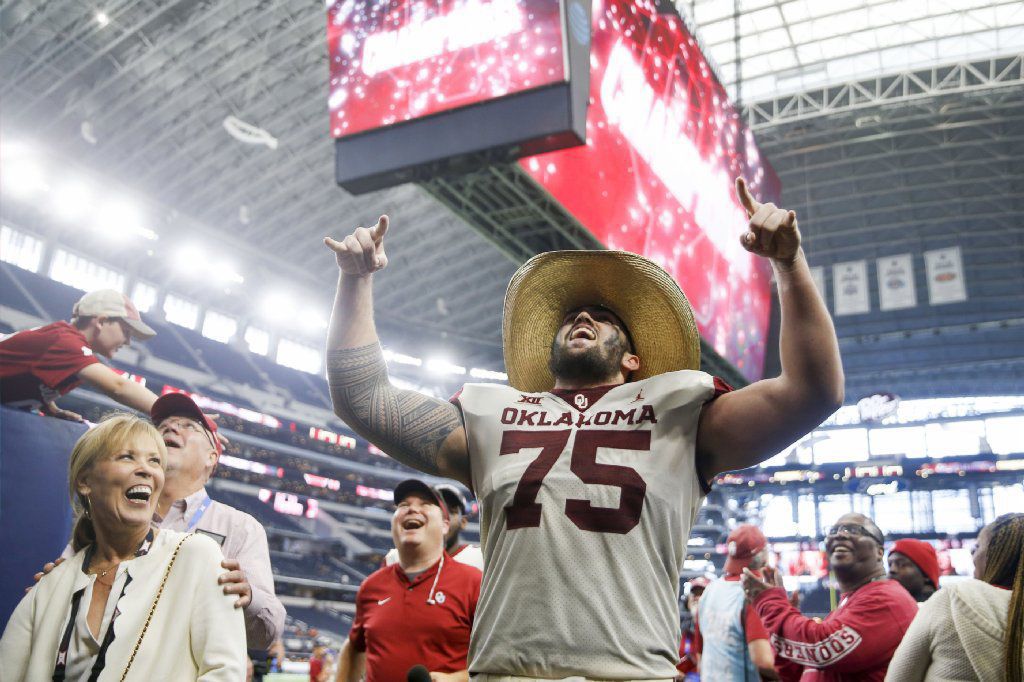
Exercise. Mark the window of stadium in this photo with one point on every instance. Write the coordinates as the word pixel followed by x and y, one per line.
pixel 841 445
pixel 298 356
pixel 219 327
pixel 908 441
pixel 181 312
pixel 1007 499
pixel 144 296
pixel 951 510
pixel 948 439
pixel 893 512
pixel 1003 435
pixel 18 248
pixel 257 340
pixel 84 274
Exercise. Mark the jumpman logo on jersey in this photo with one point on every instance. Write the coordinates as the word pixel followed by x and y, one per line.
pixel 639 397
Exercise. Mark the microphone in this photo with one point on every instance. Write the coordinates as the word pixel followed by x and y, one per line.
pixel 418 673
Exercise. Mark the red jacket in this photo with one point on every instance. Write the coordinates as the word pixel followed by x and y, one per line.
pixel 854 643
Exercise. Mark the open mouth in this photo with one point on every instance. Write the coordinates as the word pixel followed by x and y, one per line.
pixel 582 333
pixel 171 440
pixel 412 524
pixel 139 494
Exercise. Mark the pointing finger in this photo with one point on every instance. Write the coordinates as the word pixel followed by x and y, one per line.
pixel 746 198
pixel 380 229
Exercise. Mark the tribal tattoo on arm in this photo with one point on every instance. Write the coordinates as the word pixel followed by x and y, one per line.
pixel 409 426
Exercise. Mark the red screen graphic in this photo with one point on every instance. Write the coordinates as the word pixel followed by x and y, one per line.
pixel 656 175
pixel 398 60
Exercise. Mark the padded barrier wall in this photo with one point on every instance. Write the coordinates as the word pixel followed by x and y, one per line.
pixel 35 516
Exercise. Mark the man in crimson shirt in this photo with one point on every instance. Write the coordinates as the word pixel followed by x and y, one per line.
pixel 418 611
pixel 39 365
pixel 858 639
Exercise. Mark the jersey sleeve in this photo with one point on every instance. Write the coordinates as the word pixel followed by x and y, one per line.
pixel 64 358
pixel 853 638
pixel 721 388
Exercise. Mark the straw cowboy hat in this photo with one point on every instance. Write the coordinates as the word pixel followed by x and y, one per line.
pixel 645 297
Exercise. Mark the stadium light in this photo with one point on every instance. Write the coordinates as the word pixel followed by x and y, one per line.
pixel 276 306
pixel 72 199
pixel 119 216
pixel 312 320
pixel 392 356
pixel 226 272
pixel 23 176
pixel 443 366
pixel 478 373
pixel 102 19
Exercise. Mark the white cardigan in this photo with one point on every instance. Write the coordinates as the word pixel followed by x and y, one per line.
pixel 957 636
pixel 195 634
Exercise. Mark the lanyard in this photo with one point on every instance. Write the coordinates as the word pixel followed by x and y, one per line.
pixel 76 600
pixel 198 513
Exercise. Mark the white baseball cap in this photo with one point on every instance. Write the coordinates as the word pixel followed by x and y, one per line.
pixel 113 303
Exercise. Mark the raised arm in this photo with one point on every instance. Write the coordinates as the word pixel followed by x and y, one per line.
pixel 417 430
pixel 742 428
pixel 124 391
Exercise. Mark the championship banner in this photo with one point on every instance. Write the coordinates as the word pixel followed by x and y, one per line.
pixel 896 288
pixel 945 276
pixel 850 285
pixel 818 277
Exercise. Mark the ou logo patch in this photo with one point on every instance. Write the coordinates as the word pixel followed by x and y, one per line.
pixel 581 401
pixel 440 597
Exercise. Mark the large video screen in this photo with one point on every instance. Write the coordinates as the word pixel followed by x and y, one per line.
pixel 398 60
pixel 664 145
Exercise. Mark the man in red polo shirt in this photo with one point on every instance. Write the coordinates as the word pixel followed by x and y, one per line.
pixel 418 611
pixel 39 365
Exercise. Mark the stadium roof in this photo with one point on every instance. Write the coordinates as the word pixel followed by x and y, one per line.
pixel 785 46
pixel 135 94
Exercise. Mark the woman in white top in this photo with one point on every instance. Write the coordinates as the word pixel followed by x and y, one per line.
pixel 973 629
pixel 135 602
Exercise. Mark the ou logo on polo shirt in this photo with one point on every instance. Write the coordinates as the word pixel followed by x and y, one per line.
pixel 440 597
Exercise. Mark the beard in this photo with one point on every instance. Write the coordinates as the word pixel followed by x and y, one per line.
pixel 595 364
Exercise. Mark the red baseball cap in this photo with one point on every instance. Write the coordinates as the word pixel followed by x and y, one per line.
pixel 922 554
pixel 744 543
pixel 181 405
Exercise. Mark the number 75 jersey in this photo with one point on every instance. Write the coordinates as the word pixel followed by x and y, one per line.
pixel 587 499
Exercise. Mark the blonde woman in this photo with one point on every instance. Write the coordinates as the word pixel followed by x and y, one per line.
pixel 135 602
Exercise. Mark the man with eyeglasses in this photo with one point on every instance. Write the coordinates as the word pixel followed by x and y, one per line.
pixel 858 639
pixel 193 450
pixel 38 366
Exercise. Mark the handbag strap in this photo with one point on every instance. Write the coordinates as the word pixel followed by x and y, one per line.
pixel 152 608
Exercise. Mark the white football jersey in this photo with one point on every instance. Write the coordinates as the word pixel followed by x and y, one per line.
pixel 587 499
